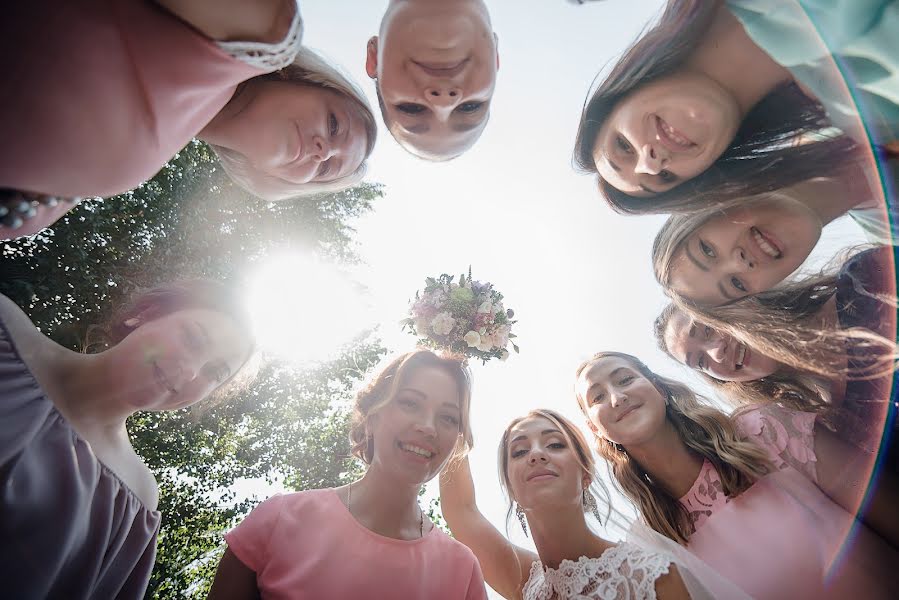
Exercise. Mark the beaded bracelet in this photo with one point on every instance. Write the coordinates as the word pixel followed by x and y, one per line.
pixel 17 206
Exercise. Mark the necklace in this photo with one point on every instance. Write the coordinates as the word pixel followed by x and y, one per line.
pixel 421 514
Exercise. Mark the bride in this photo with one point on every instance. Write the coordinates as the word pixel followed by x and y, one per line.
pixel 547 469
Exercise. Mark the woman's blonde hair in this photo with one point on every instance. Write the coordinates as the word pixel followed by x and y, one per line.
pixel 576 441
pixel 308 69
pixel 783 322
pixel 372 398
pixel 705 430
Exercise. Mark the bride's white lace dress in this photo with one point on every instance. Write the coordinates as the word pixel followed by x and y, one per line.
pixel 623 572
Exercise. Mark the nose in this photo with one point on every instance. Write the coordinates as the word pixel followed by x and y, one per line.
pixel 618 398
pixel 443 95
pixel 427 426
pixel 536 456
pixel 650 160
pixel 716 348
pixel 321 148
pixel 741 261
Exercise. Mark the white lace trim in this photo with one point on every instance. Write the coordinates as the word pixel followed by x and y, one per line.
pixel 269 57
pixel 623 572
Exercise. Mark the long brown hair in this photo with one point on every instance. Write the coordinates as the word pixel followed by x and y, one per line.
pixel 787 386
pixel 381 389
pixel 783 322
pixel 705 430
pixel 765 154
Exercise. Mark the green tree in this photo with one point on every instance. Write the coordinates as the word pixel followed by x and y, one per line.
pixel 191 221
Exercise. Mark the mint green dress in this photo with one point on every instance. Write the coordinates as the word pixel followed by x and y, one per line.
pixel 863 38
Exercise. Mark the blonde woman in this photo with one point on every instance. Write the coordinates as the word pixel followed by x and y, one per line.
pixel 368 539
pixel 141 79
pixel 766 497
pixel 547 471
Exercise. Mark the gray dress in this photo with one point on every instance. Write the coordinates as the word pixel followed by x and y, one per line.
pixel 69 527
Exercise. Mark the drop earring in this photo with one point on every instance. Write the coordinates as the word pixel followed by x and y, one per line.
pixel 522 519
pixel 590 505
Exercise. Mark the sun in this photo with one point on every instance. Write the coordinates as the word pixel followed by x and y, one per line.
pixel 304 310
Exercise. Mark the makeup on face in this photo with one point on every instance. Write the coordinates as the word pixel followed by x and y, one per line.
pixel 621 404
pixel 542 466
pixel 717 354
pixel 664 133
pixel 744 251
pixel 417 430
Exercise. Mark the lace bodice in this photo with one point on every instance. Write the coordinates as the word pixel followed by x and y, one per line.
pixel 269 57
pixel 623 572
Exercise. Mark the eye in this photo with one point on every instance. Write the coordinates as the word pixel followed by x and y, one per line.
pixel 626 380
pixel 707 250
pixel 324 169
pixel 623 145
pixel 333 125
pixel 451 420
pixel 701 364
pixel 470 107
pixel 597 399
pixel 517 453
pixel 707 332
pixel 557 446
pixel 410 109
pixel 667 176
pixel 734 281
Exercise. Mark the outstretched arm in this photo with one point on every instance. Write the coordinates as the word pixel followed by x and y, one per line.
pixel 236 20
pixel 506 567
pixel 233 580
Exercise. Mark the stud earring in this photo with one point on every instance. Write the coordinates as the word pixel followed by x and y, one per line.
pixel 590 505
pixel 522 519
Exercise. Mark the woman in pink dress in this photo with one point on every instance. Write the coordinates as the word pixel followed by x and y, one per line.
pixel 107 92
pixel 368 539
pixel 765 497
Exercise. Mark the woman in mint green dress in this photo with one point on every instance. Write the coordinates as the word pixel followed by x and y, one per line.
pixel 723 100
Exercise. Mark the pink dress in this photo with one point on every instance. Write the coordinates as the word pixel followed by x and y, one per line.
pixel 99 94
pixel 783 538
pixel 308 545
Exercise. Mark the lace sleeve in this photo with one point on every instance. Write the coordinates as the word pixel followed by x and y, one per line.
pixel 787 435
pixel 269 57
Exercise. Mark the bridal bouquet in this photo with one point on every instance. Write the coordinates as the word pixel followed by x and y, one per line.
pixel 467 317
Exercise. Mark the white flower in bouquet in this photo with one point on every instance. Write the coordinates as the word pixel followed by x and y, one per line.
pixel 503 355
pixel 485 307
pixel 486 344
pixel 472 338
pixel 443 323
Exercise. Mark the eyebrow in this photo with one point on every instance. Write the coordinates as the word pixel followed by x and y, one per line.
pixel 544 432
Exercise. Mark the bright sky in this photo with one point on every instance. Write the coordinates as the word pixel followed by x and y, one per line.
pixel 577 275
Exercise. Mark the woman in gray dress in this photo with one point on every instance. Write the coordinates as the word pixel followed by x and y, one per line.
pixel 78 514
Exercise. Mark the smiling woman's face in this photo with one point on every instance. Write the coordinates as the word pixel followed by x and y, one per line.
pixel 744 251
pixel 664 133
pixel 622 405
pixel 543 469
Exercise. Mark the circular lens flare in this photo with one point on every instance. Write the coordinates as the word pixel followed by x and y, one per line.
pixel 305 310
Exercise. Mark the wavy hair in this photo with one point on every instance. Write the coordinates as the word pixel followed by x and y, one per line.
pixel 783 322
pixel 576 441
pixel 381 389
pixel 788 386
pixel 766 152
pixel 705 430
pixel 310 69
